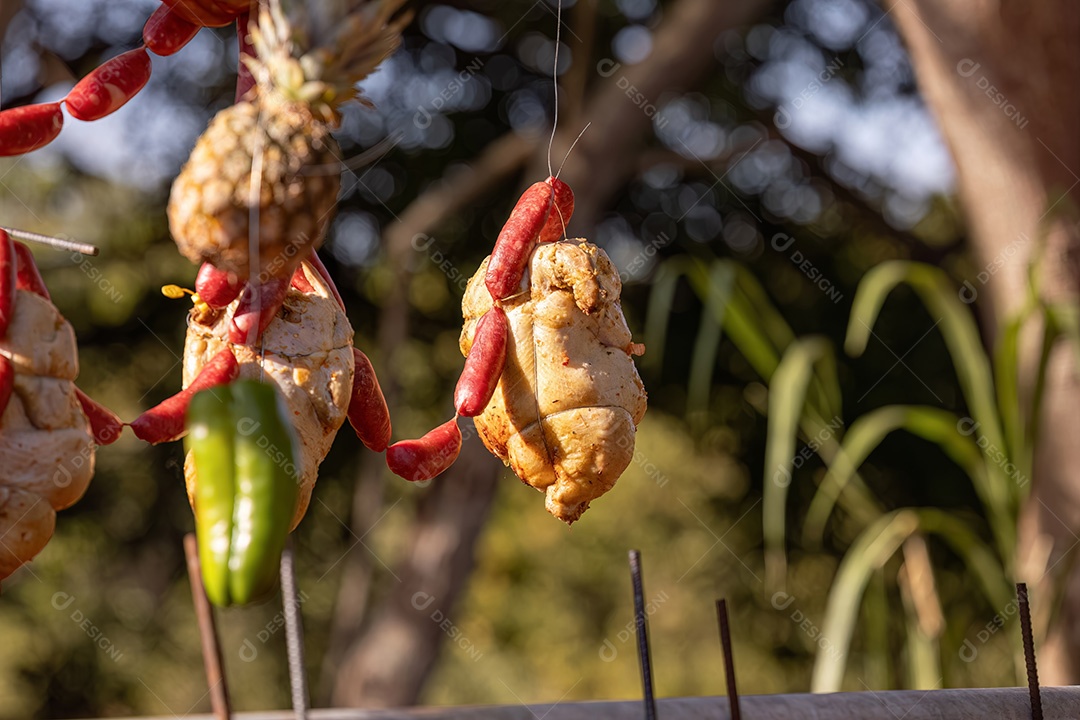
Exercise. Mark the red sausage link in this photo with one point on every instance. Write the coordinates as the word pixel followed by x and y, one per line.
pixel 29 127
pixel 368 413
pixel 244 79
pixel 201 12
pixel 107 88
pixel 7 382
pixel 561 211
pixel 258 305
pixel 517 240
pixel 484 365
pixel 166 32
pixel 300 281
pixel 217 288
pixel 423 459
pixel 165 421
pixel 8 264
pixel 27 276
pixel 103 421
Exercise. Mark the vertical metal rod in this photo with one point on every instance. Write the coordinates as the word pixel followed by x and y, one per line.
pixel 1029 651
pixel 211 649
pixel 729 659
pixel 294 633
pixel 644 655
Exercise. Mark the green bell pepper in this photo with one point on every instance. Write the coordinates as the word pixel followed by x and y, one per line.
pixel 246 488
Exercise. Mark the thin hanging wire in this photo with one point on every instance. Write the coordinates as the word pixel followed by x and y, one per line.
pixel 572 146
pixel 555 81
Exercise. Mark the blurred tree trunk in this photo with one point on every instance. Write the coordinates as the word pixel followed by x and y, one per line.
pixel 387 665
pixel 352 672
pixel 1001 79
pixel 684 47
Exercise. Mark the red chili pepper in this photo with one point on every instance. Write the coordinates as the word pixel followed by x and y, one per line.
pixel 515 243
pixel 316 262
pixel 29 127
pixel 561 211
pixel 368 413
pixel 104 423
pixel 166 31
pixel 258 306
pixel 165 421
pixel 300 281
pixel 484 365
pixel 201 12
pixel 217 288
pixel 244 79
pixel 108 88
pixel 8 272
pixel 27 276
pixel 7 382
pixel 423 459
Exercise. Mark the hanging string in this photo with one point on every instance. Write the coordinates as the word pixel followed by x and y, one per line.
pixel 555 81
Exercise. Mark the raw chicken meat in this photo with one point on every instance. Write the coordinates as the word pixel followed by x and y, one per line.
pixel 46 444
pixel 567 406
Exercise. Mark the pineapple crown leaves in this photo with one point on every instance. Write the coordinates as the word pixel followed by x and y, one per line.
pixel 315 51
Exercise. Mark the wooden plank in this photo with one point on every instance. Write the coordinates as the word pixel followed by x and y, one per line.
pixel 996 703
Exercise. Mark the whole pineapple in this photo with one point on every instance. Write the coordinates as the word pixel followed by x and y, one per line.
pixel 309 56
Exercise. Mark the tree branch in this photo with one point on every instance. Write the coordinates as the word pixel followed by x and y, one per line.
pixel 682 51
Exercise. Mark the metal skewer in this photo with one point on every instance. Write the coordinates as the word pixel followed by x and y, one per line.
pixel 729 659
pixel 1029 651
pixel 53 242
pixel 644 654
pixel 294 633
pixel 211 649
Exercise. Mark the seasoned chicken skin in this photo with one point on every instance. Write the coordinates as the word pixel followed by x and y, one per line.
pixel 46 445
pixel 307 352
pixel 567 406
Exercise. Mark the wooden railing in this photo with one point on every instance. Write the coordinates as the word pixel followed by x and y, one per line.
pixel 990 704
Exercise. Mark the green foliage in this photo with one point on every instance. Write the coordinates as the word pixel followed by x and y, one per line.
pixel 994 446
pixel 550 612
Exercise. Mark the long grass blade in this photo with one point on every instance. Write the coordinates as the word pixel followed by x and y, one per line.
pixel 1007 380
pixel 978 557
pixel 877 660
pixel 1055 322
pixel 787 398
pixel 706 345
pixel 772 323
pixel 870 551
pixel 935 425
pixel 922 649
pixel 658 313
pixel 957 327
pixel 965 348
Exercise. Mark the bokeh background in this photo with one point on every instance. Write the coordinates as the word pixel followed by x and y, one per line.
pixel 782 142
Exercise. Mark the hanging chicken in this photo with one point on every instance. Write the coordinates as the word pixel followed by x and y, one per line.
pixel 549 376
pixel 49 430
pixel 251 204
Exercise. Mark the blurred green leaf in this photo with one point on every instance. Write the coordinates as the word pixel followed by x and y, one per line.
pixel 957 327
pixel 787 397
pixel 703 361
pixel 969 360
pixel 870 551
pixel 935 425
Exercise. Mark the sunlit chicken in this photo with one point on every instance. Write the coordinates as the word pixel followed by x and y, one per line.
pixel 566 409
pixel 46 443
pixel 307 352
